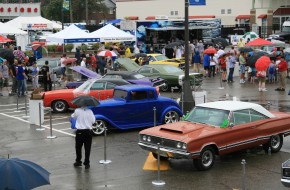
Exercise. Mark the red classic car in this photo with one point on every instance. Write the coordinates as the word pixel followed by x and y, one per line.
pixel 217 128
pixel 60 100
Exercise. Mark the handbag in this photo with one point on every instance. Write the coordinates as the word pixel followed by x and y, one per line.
pixel 261 74
pixel 73 122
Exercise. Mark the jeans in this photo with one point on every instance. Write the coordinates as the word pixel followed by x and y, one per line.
pixel 20 87
pixel 231 72
pixel 14 85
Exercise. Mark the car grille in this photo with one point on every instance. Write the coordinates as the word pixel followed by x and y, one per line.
pixel 163 142
pixel 158 83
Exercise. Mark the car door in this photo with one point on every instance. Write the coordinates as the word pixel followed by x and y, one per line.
pixel 146 71
pixel 242 134
pixel 99 91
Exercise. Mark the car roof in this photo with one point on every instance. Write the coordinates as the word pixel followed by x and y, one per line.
pixel 236 105
pixel 122 73
pixel 131 87
pixel 154 54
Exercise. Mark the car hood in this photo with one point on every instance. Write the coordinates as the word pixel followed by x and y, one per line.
pixel 146 81
pixel 181 131
pixel 54 92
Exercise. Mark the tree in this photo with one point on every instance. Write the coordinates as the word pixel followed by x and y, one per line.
pixel 53 9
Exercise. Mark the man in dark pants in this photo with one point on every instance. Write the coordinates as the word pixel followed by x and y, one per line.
pixel 12 72
pixel 46 77
pixel 84 121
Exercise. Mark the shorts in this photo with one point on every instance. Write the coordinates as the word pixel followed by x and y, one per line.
pixel 63 71
pixel 253 74
pixel 206 68
pixel 4 82
pixel 243 69
pixel 224 69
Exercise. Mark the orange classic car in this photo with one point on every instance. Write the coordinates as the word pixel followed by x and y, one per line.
pixel 217 128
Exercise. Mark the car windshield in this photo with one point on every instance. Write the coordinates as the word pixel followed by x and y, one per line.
pixel 120 94
pixel 138 76
pixel 209 116
pixel 161 57
pixel 171 69
pixel 84 89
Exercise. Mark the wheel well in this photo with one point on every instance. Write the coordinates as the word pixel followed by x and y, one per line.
pixel 214 147
pixel 59 100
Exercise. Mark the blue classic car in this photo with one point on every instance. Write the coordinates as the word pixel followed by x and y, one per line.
pixel 132 106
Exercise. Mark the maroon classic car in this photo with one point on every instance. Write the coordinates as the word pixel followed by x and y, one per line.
pixel 217 128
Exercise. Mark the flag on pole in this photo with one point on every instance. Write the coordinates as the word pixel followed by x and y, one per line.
pixel 65 5
pixel 197 2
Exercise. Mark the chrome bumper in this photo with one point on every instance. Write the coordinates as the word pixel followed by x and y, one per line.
pixel 285 182
pixel 165 152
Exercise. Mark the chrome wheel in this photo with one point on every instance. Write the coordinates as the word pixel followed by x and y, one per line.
pixel 165 87
pixel 276 142
pixel 207 158
pixel 171 117
pixel 59 106
pixel 99 127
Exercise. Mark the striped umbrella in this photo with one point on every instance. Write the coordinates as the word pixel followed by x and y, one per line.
pixel 250 35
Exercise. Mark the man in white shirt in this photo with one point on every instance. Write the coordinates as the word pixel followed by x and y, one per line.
pixel 84 121
pixel 62 65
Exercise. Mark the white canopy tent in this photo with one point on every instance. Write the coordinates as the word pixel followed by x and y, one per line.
pixel 110 33
pixel 21 36
pixel 34 23
pixel 71 34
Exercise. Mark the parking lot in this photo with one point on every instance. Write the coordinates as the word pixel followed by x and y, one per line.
pixel 132 167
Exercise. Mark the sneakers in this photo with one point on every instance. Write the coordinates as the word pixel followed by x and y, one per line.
pixel 264 89
pixel 87 166
pixel 260 89
pixel 242 81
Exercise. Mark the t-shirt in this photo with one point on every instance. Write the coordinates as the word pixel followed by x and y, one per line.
pixel 19 72
pixel 84 118
pixel 206 60
pixel 5 71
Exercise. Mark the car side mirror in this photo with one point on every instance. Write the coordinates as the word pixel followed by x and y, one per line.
pixel 231 125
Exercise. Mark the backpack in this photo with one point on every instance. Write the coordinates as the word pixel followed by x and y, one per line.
pixel 271 70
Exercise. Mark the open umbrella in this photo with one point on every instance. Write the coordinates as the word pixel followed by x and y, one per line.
pixel 84 101
pixel 253 59
pixel 4 39
pixel 250 35
pixel 263 63
pixel 287 50
pixel 69 60
pixel 107 53
pixel 210 51
pixel 259 42
pixel 8 55
pixel 40 49
pixel 21 174
pixel 220 42
pixel 245 49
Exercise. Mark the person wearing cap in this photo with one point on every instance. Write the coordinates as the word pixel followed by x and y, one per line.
pixel 4 76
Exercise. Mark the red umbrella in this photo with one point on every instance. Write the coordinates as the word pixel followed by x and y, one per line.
pixel 107 53
pixel 4 39
pixel 263 63
pixel 69 60
pixel 259 42
pixel 210 51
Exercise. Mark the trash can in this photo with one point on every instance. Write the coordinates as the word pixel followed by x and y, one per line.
pixel 34 113
pixel 199 97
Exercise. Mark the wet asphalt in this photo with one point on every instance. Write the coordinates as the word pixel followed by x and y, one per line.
pixel 21 139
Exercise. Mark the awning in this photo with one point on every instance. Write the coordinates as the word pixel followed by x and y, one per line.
pixel 240 17
pixel 262 16
pixel 150 18
pixel 201 16
pixel 132 17
pixel 282 11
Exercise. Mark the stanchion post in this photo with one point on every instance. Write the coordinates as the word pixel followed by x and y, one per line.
pixel 25 104
pixel 105 161
pixel 158 182
pixel 17 104
pixel 40 128
pixel 182 106
pixel 244 173
pixel 221 82
pixel 50 124
pixel 154 110
pixel 172 89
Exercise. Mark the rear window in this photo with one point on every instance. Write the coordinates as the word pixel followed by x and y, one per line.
pixel 120 94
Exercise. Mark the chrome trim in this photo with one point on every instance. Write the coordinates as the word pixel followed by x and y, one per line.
pixel 285 182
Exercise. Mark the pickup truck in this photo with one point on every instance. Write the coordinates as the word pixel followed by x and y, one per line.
pixel 135 106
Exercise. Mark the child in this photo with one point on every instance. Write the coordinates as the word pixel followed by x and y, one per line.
pixel 271 72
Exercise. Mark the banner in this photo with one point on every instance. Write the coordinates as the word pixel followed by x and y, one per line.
pixel 65 5
pixel 197 2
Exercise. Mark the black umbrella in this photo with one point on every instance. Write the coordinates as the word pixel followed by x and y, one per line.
pixel 140 55
pixel 21 174
pixel 84 101
pixel 245 49
pixel 8 55
pixel 252 59
pixel 220 42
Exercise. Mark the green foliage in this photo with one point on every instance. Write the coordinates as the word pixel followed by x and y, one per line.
pixel 29 53
pixel 51 48
pixel 96 46
pixel 59 48
pixel 69 47
pixel 83 47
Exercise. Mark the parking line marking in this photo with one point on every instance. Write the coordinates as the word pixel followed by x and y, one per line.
pixel 44 126
pixel 57 118
pixel 151 163
pixel 60 123
pixel 19 108
pixel 11 105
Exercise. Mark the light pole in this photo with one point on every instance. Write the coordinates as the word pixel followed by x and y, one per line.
pixel 187 98
pixel 87 14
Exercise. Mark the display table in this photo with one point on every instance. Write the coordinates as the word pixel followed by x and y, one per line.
pixel 34 113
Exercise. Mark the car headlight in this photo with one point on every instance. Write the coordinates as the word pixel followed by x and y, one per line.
pixel 148 139
pixel 179 145
pixel 286 172
pixel 144 138
pixel 184 146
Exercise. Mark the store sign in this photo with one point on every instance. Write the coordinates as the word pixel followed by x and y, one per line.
pixel 47 26
pixel 197 2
